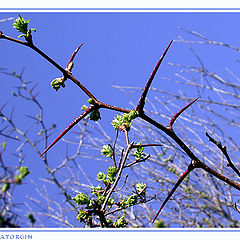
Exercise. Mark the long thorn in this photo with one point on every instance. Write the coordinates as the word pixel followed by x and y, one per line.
pixel 79 118
pixel 185 174
pixel 74 54
pixel 180 112
pixel 145 91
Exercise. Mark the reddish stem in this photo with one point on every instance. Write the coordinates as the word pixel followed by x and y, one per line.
pixel 141 102
pixel 185 174
pixel 179 113
pixel 79 118
pixel 74 54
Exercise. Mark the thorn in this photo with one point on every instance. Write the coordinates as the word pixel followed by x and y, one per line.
pixel 144 93
pixel 74 54
pixel 70 126
pixel 3 106
pixel 177 184
pixel 179 113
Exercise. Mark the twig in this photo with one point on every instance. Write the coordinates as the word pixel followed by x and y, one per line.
pixel 137 161
pixel 119 173
pixel 224 151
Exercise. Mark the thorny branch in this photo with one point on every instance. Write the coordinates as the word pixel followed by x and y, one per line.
pixel 195 161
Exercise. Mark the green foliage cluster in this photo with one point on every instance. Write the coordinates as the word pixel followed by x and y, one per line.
pixel 133 199
pixel 138 152
pixel 107 151
pixel 23 172
pixel 22 26
pixel 92 203
pixel 108 178
pixel 57 83
pixel 159 224
pixel 124 120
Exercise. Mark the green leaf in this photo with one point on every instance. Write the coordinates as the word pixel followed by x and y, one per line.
pixel 81 199
pixel 14 94
pixel 159 224
pixel 22 26
pixel 101 198
pixel 82 215
pixel 132 200
pixel 121 222
pixel 18 179
pixel 84 107
pixel 133 114
pixel 123 203
pixel 111 173
pixel 138 152
pixel 107 150
pixel 97 190
pixel 91 101
pixel 57 83
pixel 141 189
pixel 23 172
pixel 124 120
pixel 110 202
pixel 4 145
pixel 101 177
pixel 5 187
pixel 40 132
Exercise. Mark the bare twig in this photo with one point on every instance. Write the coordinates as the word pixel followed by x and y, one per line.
pixel 225 153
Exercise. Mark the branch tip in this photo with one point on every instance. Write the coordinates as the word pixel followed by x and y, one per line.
pixel 223 149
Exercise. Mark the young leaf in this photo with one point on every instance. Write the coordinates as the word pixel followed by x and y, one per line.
pixel 138 153
pixel 81 199
pixel 124 120
pixel 57 83
pixel 107 151
pixel 22 26
pixel 23 172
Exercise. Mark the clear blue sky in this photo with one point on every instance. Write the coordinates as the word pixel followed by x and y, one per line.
pixel 119 49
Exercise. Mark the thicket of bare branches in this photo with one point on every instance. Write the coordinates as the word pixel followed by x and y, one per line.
pixel 201 200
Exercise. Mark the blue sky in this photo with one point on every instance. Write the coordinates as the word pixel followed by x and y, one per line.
pixel 119 49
